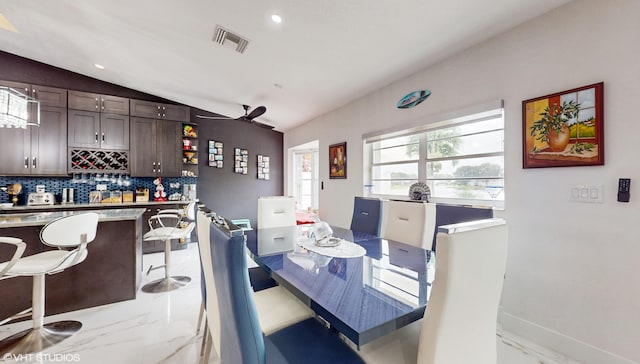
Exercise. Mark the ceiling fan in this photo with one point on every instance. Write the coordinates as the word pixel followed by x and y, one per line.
pixel 247 117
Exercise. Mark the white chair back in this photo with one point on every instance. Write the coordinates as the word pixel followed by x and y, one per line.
pixel 68 231
pixel 276 211
pixel 213 314
pixel 409 222
pixel 459 325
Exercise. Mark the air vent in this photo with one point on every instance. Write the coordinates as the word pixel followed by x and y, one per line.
pixel 228 39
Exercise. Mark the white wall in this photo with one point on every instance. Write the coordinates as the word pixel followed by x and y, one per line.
pixel 572 282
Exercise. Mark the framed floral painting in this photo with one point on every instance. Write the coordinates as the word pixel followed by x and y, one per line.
pixel 338 160
pixel 564 129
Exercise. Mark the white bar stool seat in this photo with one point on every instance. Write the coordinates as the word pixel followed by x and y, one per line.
pixel 71 232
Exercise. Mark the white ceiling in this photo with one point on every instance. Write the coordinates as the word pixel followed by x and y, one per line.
pixel 323 55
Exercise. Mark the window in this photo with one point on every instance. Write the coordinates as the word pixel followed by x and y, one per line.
pixel 460 158
pixel 306 179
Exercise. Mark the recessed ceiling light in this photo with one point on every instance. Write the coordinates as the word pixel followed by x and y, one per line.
pixel 99 66
pixel 276 18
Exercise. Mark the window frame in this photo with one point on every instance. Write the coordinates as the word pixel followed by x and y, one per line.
pixel 468 116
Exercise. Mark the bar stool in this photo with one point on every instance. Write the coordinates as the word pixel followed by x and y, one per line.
pixel 161 230
pixel 71 232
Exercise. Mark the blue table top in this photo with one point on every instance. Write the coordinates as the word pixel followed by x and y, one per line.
pixel 364 298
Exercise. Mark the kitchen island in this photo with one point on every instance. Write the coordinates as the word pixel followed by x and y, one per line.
pixel 111 273
pixel 151 208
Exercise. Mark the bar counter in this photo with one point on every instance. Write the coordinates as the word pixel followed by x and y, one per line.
pixel 112 271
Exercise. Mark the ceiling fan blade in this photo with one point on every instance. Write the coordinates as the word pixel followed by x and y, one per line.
pixel 213 117
pixel 256 112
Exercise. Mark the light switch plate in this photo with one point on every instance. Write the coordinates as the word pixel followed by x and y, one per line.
pixel 586 193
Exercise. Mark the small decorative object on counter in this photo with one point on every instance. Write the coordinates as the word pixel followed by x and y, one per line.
pixel 419 191
pixel 142 194
pixel 160 194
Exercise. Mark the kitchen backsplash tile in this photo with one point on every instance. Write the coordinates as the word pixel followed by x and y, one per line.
pixel 81 190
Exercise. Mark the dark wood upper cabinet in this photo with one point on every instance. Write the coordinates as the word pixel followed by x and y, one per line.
pixel 99 103
pixel 155 110
pixel 155 150
pixel 37 150
pixel 95 130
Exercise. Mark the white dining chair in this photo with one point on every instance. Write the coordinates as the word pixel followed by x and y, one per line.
pixel 409 222
pixel 276 211
pixel 459 325
pixel 70 235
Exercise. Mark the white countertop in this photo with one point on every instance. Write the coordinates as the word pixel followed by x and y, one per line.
pixel 42 218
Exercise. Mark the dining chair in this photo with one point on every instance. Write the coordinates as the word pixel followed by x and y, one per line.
pixel 276 307
pixel 409 222
pixel 367 215
pixel 459 324
pixel 70 236
pixel 276 211
pixel 239 337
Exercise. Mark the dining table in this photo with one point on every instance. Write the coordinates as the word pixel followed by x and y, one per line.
pixel 363 286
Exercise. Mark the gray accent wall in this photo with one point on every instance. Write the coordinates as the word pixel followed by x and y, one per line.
pixel 235 196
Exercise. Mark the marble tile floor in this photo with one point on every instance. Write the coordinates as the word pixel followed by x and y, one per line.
pixel 161 328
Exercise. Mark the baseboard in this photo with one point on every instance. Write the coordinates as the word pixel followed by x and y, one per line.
pixel 563 344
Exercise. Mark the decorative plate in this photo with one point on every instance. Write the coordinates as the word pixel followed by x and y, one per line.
pixel 413 98
pixel 419 191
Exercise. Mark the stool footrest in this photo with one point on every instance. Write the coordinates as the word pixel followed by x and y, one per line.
pixel 19 315
pixel 156 267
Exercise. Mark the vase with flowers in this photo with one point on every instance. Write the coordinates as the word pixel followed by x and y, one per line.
pixel 553 125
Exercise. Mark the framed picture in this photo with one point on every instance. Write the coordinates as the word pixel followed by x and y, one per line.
pixel 241 161
pixel 215 154
pixel 564 129
pixel 263 167
pixel 338 160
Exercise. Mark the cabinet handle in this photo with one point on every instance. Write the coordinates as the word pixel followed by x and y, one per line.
pixel 34 93
pixel 159 168
pixel 96 103
pixel 162 114
pixel 154 167
pixel 26 162
pixel 102 104
pixel 33 162
pixel 103 137
pixel 96 137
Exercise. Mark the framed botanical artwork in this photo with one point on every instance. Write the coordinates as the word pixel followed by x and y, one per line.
pixel 338 160
pixel 564 129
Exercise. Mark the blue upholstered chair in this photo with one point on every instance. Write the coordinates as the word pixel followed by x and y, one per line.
pixel 235 326
pixel 367 215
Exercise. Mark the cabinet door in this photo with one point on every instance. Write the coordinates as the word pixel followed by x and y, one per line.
pixel 14 151
pixel 84 101
pixel 114 105
pixel 169 148
pixel 114 131
pixel 49 96
pixel 49 143
pixel 175 112
pixel 84 129
pixel 145 109
pixel 142 157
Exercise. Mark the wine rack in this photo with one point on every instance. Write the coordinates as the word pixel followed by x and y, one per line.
pixel 88 161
